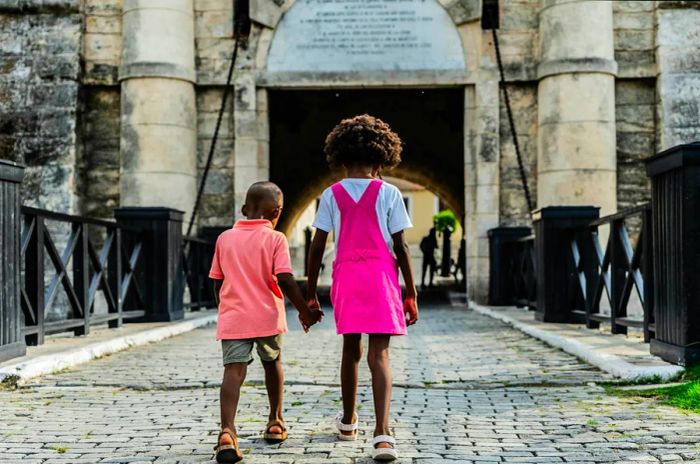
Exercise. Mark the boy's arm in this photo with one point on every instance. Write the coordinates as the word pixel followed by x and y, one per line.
pixel 403 256
pixel 316 250
pixel 217 288
pixel 291 290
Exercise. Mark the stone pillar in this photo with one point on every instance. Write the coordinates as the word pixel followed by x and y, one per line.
pixel 576 105
pixel 251 147
pixel 482 180
pixel 158 115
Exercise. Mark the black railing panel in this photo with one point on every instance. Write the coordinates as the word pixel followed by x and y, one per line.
pixel 197 255
pixel 615 273
pixel 91 265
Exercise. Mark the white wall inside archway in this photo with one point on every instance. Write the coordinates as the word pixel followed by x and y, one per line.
pixel 350 36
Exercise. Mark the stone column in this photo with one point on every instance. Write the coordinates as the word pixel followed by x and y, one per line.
pixel 158 115
pixel 481 179
pixel 251 147
pixel 576 105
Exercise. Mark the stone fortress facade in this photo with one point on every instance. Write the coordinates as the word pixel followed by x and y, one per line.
pixel 114 102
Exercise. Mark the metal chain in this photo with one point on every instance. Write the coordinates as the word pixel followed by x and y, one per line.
pixel 502 84
pixel 203 181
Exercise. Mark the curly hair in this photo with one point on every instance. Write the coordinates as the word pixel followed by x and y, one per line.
pixel 365 141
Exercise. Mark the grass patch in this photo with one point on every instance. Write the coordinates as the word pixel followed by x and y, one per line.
pixel 10 382
pixel 685 396
pixel 297 403
pixel 60 449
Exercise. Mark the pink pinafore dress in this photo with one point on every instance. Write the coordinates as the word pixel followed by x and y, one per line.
pixel 365 293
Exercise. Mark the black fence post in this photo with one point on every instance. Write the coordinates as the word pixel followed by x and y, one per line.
pixel 555 228
pixel 162 280
pixel 11 342
pixel 503 243
pixel 675 189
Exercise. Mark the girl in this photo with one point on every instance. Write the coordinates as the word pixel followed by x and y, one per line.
pixel 368 217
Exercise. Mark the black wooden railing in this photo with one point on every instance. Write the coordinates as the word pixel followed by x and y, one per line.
pixel 95 256
pixel 197 254
pixel 615 270
pixel 524 277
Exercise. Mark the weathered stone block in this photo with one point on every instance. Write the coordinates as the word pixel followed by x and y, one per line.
pixel 632 20
pixel 103 24
pixel 103 47
pixel 213 24
pixel 626 39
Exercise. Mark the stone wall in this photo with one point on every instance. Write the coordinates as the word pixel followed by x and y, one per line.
pixel 217 199
pixel 518 39
pixel 634 41
pixel 513 206
pixel 39 98
pixel 636 138
pixel 100 136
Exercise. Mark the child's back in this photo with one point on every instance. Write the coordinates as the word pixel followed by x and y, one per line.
pixel 249 256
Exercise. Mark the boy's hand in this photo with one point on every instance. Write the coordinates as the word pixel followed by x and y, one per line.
pixel 310 318
pixel 410 309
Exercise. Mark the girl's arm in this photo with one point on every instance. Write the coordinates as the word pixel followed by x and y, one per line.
pixel 403 256
pixel 316 250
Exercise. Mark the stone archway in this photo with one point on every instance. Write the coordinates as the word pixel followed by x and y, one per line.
pixel 429 121
pixel 277 65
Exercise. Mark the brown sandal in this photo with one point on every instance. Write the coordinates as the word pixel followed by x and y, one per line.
pixel 226 454
pixel 275 437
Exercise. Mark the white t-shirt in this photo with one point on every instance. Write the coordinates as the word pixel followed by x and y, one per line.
pixel 391 210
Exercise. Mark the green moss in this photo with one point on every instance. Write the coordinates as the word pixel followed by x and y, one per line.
pixel 60 449
pixel 685 396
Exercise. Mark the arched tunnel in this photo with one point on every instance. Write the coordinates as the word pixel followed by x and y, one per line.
pixel 429 121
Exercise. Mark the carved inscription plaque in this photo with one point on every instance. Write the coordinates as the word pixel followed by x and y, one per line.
pixel 365 35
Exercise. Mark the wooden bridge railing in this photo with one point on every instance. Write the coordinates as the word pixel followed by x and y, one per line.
pixel 594 270
pixel 67 273
pixel 62 252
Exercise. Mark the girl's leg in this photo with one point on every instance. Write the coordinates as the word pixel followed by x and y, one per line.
pixel 378 359
pixel 352 353
pixel 234 375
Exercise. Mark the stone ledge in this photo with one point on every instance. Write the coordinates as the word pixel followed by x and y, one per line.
pixel 59 360
pixel 576 65
pixel 40 6
pixel 595 355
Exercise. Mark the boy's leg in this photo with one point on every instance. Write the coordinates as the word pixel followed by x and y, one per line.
pixel 378 359
pixel 269 350
pixel 352 353
pixel 237 354
pixel 234 375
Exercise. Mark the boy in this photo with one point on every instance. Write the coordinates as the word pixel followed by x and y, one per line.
pixel 251 264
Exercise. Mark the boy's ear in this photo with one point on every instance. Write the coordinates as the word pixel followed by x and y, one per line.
pixel 276 212
pixel 243 210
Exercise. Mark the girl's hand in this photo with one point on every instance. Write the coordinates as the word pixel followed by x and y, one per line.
pixel 410 309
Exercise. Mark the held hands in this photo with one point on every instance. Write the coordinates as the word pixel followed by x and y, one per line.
pixel 410 309
pixel 313 316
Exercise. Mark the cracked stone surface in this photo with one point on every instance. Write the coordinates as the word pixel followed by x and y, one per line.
pixel 468 389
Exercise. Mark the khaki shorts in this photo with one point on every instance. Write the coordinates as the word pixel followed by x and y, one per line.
pixel 241 351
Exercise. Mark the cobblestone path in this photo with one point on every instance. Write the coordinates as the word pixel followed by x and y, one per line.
pixel 468 389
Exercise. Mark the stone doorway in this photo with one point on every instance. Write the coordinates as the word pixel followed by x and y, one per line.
pixel 430 121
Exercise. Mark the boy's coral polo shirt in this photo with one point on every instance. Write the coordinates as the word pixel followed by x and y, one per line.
pixel 247 258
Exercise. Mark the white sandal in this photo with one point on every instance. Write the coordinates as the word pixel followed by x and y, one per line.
pixel 384 454
pixel 346 427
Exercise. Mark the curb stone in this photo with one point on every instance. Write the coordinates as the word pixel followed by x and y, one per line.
pixel 610 363
pixel 41 365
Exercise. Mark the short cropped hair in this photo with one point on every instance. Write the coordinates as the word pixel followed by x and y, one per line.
pixel 365 141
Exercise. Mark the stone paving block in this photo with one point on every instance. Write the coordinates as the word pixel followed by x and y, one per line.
pixel 507 398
